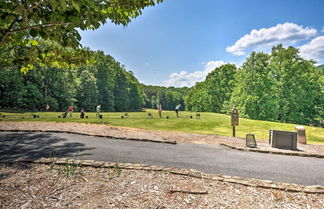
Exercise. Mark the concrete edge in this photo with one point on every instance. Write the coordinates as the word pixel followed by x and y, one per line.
pixel 272 152
pixel 96 135
pixel 267 184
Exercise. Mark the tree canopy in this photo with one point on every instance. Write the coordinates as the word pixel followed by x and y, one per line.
pixel 213 94
pixel 168 97
pixel 280 86
pixel 24 24
pixel 84 87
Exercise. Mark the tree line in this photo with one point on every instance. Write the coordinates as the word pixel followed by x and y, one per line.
pixel 168 97
pixel 104 82
pixel 280 86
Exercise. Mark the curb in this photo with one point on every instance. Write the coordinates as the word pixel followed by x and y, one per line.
pixel 96 135
pixel 246 149
pixel 266 184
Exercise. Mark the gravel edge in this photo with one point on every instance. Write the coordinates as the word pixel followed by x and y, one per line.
pixel 247 149
pixel 96 135
pixel 267 184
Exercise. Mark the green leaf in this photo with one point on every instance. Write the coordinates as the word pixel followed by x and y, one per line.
pixel 76 6
pixel 33 32
pixel 43 34
pixel 63 4
pixel 24 69
pixel 54 4
pixel 34 42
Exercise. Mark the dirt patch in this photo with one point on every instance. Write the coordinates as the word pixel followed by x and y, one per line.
pixel 38 186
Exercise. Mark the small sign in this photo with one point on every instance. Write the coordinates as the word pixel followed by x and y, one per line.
pixel 250 141
pixel 235 117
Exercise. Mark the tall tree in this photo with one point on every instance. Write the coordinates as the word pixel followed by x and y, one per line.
pixel 253 94
pixel 121 92
pixel 213 94
pixel 136 94
pixel 105 75
pixel 296 85
pixel 197 98
pixel 219 86
pixel 87 93
pixel 11 88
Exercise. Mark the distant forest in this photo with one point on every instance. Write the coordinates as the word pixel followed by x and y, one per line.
pixel 105 82
pixel 280 86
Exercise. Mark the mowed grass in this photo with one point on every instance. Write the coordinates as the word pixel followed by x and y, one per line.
pixel 209 123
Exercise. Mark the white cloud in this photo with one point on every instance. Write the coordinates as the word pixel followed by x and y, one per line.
pixel 322 30
pixel 185 78
pixel 286 33
pixel 314 49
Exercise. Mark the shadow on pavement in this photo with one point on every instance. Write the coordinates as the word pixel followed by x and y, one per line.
pixel 36 145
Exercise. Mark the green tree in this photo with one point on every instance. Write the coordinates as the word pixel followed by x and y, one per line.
pixel 219 86
pixel 320 103
pixel 11 88
pixel 121 92
pixel 105 75
pixel 281 86
pixel 168 96
pixel 87 93
pixel 26 22
pixel 213 94
pixel 197 98
pixel 136 94
pixel 296 85
pixel 253 94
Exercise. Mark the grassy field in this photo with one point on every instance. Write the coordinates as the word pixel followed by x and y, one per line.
pixel 209 123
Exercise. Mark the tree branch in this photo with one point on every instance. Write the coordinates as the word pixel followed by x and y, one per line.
pixel 39 25
pixel 35 6
pixel 2 38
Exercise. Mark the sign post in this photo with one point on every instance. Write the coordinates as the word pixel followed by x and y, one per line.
pixel 234 119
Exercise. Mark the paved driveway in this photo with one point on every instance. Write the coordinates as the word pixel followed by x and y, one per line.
pixel 206 158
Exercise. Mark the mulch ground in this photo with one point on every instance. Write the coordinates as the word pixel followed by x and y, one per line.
pixel 45 186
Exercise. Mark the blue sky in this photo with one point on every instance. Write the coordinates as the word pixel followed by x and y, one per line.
pixel 178 42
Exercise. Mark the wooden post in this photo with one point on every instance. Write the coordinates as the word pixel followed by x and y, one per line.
pixel 234 119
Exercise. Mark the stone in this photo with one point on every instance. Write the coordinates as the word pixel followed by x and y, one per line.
pixel 301 134
pixel 283 139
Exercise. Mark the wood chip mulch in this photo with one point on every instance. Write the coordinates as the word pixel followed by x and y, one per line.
pixel 27 185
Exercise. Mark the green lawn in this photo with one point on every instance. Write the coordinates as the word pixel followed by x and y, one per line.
pixel 209 123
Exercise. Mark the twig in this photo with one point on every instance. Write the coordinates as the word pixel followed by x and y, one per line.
pixel 188 191
pixel 84 178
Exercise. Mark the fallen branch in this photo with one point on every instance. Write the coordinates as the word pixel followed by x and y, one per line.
pixel 188 191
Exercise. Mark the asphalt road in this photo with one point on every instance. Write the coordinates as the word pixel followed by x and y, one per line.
pixel 206 158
